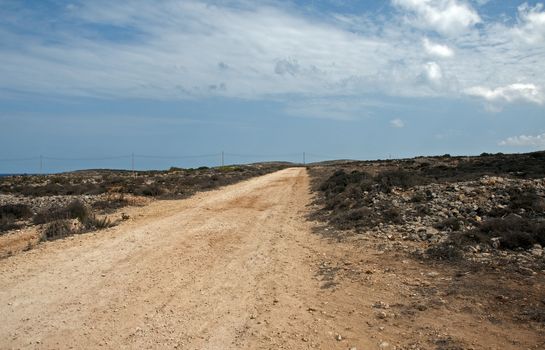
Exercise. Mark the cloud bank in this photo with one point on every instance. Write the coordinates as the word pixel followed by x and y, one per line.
pixel 524 141
pixel 178 50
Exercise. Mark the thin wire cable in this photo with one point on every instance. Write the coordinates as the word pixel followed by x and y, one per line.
pixel 263 155
pixel 176 157
pixel 86 158
pixel 18 159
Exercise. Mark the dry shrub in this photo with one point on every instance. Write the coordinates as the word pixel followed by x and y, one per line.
pixel 111 203
pixel 444 252
pixel 387 180
pixel 74 210
pixel 453 224
pixel 57 229
pixel 11 213
pixel 513 232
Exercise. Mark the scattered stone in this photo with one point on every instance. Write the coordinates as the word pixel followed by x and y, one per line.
pixel 381 305
pixel 382 315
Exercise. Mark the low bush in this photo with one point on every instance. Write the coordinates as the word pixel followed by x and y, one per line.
pixel 419 197
pixel 356 218
pixel 340 181
pixel 526 199
pixel 11 213
pixel 111 203
pixel 152 190
pixel 92 223
pixel 74 210
pixel 7 223
pixel 17 211
pixel 453 224
pixel 392 215
pixel 513 232
pixel 444 252
pixel 57 229
pixel 389 179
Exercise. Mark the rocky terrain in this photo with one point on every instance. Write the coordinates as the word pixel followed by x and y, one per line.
pixel 479 219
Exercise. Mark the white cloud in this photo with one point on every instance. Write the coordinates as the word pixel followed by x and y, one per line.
pixel 524 141
pixel 509 93
pixel 397 123
pixel 450 17
pixel 432 73
pixel 437 50
pixel 192 49
pixel 286 66
pixel 531 28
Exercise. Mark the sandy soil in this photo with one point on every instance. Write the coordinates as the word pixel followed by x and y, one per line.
pixel 238 267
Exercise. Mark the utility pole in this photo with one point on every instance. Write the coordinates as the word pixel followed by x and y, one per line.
pixel 132 165
pixel 222 158
pixel 41 164
pixel 304 160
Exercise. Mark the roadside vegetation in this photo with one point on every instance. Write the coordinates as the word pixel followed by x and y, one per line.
pixel 64 204
pixel 497 201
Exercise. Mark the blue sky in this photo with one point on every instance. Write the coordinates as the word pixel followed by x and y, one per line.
pixel 267 80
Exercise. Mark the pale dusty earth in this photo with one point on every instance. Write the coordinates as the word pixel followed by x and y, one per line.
pixel 235 268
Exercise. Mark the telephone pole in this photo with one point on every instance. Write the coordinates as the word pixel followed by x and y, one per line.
pixel 132 164
pixel 304 160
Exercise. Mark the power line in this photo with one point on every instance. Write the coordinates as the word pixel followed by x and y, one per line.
pixel 41 161
pixel 240 155
pixel 322 156
pixel 177 157
pixel 18 159
pixel 86 158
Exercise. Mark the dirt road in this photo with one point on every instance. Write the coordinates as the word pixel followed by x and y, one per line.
pixel 232 268
pixel 224 269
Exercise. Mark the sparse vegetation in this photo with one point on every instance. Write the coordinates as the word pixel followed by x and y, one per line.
pixel 512 232
pixel 110 203
pixel 57 229
pixel 453 224
pixel 77 202
pixel 10 214
pixel 506 212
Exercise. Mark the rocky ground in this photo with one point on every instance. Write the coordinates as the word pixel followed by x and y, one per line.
pixel 490 219
pixel 484 227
